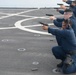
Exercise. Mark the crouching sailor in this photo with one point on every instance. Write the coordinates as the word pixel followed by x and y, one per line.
pixel 66 49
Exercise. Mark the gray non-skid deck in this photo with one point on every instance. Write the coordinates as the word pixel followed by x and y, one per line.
pixel 22 50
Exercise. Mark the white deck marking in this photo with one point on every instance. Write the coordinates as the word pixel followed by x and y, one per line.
pixel 10 15
pixel 4 13
pixel 36 25
pixel 18 25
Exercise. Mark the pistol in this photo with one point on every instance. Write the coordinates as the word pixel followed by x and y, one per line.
pixel 56 8
pixel 43 23
pixel 67 6
pixel 49 15
pixel 59 4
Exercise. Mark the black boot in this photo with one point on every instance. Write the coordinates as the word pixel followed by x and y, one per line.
pixel 60 65
pixel 68 61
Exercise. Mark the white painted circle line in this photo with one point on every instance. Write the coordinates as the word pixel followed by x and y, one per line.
pixel 18 25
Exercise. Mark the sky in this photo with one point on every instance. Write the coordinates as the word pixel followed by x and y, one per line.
pixel 30 3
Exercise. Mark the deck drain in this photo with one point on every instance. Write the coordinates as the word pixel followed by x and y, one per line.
pixel 35 63
pixel 57 70
pixel 8 40
pixel 5 40
pixel 21 49
pixel 35 68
